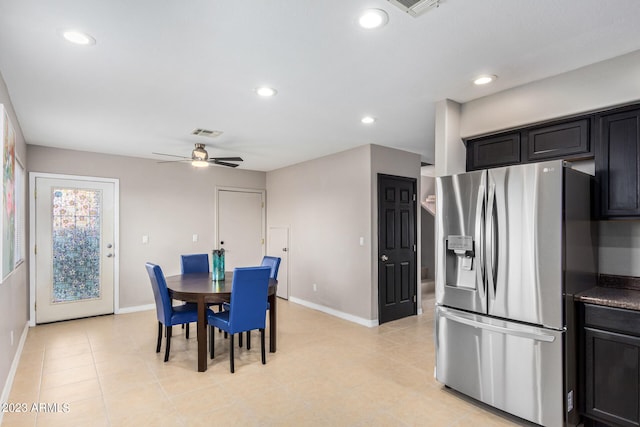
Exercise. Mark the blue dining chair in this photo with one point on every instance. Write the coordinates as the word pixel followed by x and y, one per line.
pixel 274 263
pixel 247 310
pixel 194 263
pixel 167 314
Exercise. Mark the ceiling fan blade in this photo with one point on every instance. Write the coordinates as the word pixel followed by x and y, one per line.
pixel 228 159
pixel 231 165
pixel 174 161
pixel 172 155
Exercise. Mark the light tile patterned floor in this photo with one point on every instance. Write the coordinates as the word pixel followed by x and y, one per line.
pixel 327 372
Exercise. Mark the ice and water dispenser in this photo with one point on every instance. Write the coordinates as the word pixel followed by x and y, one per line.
pixel 460 262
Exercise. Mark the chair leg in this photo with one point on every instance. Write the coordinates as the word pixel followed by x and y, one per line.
pixel 248 340
pixel 240 339
pixel 211 337
pixel 186 330
pixel 231 352
pixel 264 356
pixel 168 346
pixel 159 337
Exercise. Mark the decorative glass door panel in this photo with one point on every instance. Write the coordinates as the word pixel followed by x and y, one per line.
pixel 76 244
pixel 75 253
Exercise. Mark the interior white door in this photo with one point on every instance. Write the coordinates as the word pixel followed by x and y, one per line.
pixel 241 227
pixel 278 246
pixel 75 237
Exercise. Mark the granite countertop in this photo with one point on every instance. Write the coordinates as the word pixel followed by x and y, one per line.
pixel 613 291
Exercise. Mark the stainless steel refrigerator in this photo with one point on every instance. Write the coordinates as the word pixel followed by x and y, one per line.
pixel 513 245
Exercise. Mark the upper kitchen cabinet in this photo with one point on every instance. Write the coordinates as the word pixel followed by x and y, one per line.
pixel 493 151
pixel 560 139
pixel 618 163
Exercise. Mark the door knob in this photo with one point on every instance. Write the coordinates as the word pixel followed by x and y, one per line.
pixel 284 249
pixel 109 255
pixel 384 258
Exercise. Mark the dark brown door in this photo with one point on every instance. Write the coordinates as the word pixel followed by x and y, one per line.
pixel 396 247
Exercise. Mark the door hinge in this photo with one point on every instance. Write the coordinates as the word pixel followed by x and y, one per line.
pixel 414 198
pixel 35 249
pixel 262 204
pixel 415 248
pixel 414 299
pixel 262 241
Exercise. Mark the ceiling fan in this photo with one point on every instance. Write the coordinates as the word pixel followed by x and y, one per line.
pixel 200 158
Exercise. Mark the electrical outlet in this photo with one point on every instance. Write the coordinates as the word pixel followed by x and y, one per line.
pixel 195 238
pixel 145 239
pixel 315 287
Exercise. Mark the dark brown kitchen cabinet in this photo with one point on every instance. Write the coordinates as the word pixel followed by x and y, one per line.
pixel 618 164
pixel 611 366
pixel 560 141
pixel 493 151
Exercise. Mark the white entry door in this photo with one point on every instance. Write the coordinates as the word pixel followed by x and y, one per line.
pixel 74 248
pixel 278 246
pixel 240 230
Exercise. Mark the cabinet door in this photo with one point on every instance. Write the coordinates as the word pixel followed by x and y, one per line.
pixel 560 141
pixel 493 151
pixel 618 165
pixel 612 369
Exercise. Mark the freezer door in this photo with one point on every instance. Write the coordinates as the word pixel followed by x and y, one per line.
pixel 459 241
pixel 524 243
pixel 513 367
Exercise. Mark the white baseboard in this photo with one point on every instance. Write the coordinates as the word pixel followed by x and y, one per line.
pixel 346 316
pixel 6 390
pixel 135 309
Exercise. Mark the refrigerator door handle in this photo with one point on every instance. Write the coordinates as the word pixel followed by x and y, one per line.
pixel 499 329
pixel 480 239
pixel 491 239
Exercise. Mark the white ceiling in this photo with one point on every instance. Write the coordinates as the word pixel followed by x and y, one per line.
pixel 161 68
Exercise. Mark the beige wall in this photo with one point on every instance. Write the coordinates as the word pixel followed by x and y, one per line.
pixel 326 203
pixel 168 202
pixel 595 87
pixel 329 204
pixel 14 291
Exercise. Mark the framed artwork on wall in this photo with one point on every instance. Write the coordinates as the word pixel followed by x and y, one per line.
pixel 7 218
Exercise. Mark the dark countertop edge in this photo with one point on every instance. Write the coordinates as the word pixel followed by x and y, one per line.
pixel 611 297
pixel 621 282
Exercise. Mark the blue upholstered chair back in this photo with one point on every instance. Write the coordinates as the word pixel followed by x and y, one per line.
pixel 160 293
pixel 195 263
pixel 274 263
pixel 249 299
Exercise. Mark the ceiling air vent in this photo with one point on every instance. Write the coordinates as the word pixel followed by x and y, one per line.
pixel 206 132
pixel 415 7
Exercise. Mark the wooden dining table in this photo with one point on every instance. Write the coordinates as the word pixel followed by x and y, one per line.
pixel 200 288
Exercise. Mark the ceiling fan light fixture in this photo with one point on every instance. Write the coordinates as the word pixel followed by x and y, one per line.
pixel 367 120
pixel 373 18
pixel 200 163
pixel 199 154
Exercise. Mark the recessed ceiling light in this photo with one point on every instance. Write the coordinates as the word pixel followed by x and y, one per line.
pixel 483 80
pixel 373 18
pixel 78 37
pixel 367 120
pixel 266 91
